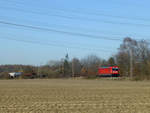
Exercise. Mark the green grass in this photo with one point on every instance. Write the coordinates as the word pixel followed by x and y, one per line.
pixel 74 96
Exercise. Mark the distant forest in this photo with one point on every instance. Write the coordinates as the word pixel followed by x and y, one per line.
pixel 133 59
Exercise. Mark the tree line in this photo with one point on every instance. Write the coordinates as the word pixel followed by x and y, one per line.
pixel 133 59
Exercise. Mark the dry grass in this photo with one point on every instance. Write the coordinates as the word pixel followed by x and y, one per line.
pixel 74 96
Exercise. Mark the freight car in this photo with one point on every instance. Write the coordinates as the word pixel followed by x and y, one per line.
pixel 109 71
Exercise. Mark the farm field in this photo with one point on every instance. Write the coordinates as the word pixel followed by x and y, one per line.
pixel 74 96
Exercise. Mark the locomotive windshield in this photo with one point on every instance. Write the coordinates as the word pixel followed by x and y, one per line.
pixel 115 69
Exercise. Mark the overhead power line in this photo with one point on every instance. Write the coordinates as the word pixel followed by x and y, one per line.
pixel 55 45
pixel 22 10
pixel 118 34
pixel 81 18
pixel 62 32
pixel 78 44
pixel 59 31
pixel 99 13
pixel 120 17
pixel 96 13
pixel 95 30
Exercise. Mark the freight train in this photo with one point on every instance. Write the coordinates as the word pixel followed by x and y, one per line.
pixel 109 71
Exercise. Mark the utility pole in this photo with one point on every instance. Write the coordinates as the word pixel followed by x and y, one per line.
pixel 39 70
pixel 131 63
pixel 72 67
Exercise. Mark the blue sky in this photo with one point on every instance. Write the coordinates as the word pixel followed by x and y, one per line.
pixel 92 17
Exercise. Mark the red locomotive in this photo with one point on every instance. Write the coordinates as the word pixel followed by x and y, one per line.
pixel 109 71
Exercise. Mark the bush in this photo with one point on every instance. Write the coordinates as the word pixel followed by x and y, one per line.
pixel 141 77
pixel 4 75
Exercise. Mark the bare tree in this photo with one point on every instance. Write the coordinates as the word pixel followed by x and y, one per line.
pixel 76 67
pixel 90 65
pixel 134 56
